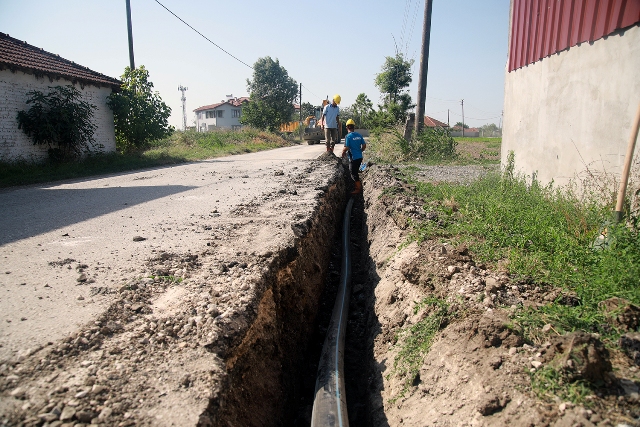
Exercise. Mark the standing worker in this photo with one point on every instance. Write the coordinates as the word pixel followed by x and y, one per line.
pixel 331 122
pixel 354 144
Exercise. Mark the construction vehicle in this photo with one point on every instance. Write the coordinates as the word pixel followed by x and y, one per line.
pixel 313 132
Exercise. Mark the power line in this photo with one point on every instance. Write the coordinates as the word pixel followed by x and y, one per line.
pixel 310 91
pixel 205 37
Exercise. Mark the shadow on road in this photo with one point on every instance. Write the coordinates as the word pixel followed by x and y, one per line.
pixel 30 212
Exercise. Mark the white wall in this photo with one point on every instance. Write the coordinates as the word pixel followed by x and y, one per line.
pixel 573 109
pixel 227 121
pixel 14 144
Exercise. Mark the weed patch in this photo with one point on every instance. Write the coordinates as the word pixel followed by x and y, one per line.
pixel 415 341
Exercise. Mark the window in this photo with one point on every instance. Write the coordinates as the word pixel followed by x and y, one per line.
pixel 235 113
pixel 219 113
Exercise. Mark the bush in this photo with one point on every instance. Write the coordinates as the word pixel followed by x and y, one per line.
pixel 61 120
pixel 139 114
pixel 429 145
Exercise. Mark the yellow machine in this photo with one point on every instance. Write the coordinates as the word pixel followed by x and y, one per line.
pixel 313 132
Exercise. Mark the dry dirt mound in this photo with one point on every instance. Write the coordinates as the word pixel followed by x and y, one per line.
pixel 475 368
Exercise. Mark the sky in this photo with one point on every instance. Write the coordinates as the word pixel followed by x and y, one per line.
pixel 331 47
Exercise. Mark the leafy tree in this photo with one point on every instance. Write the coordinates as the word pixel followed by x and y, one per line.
pixel 459 125
pixel 271 96
pixel 362 109
pixel 393 82
pixel 60 119
pixel 140 115
pixel 308 110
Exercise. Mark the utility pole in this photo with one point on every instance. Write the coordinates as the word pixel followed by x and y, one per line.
pixel 424 66
pixel 448 125
pixel 131 61
pixel 462 103
pixel 300 125
pixel 184 106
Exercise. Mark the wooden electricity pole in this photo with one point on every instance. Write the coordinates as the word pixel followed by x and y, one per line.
pixel 424 66
pixel 131 61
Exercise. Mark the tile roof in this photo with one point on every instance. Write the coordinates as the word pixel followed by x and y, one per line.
pixel 19 55
pixel 432 123
pixel 235 102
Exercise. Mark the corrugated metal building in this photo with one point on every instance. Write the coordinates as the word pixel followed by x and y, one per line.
pixel 572 86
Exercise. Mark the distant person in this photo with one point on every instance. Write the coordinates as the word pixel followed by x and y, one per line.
pixel 331 122
pixel 354 145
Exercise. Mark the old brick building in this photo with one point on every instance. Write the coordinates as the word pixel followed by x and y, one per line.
pixel 24 68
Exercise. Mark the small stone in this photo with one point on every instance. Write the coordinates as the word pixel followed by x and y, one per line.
pixel 453 269
pixel 82 278
pixel 85 416
pixel 105 413
pixel 18 393
pixel 80 298
pixel 139 239
pixel 546 328
pixel 48 417
pixel 67 413
pixel 513 351
pixel 536 364
pixel 81 394
pixel 97 389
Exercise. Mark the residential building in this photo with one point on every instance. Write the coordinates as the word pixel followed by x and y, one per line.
pixel 25 68
pixel 223 115
pixel 572 86
pixel 430 122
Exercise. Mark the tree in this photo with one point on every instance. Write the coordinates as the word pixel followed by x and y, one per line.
pixel 308 110
pixel 139 114
pixel 60 119
pixel 362 108
pixel 271 96
pixel 392 83
pixel 459 125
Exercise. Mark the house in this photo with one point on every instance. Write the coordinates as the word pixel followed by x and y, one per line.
pixel 25 68
pixel 223 115
pixel 572 86
pixel 430 122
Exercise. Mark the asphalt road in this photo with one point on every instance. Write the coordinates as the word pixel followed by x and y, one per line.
pixel 51 234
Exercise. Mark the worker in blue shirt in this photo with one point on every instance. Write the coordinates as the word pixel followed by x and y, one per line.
pixel 354 144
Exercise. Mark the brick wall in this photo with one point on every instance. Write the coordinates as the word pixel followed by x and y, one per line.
pixel 14 144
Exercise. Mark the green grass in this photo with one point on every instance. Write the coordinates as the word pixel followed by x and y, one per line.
pixel 415 341
pixel 548 382
pixel 544 235
pixel 180 147
pixel 491 141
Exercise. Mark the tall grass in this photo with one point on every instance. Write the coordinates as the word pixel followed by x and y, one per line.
pixel 431 145
pixel 546 235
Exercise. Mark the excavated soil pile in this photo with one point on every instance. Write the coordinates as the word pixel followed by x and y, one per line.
pixel 478 369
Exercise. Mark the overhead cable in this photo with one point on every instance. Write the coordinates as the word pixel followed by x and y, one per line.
pixel 205 37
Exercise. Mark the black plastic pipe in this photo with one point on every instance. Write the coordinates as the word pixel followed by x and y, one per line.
pixel 330 402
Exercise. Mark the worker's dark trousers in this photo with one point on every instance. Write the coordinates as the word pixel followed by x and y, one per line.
pixel 354 168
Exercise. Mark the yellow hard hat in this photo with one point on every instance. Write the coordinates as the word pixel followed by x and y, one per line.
pixel 337 98
pixel 350 122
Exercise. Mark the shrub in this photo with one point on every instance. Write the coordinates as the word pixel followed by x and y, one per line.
pixel 61 120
